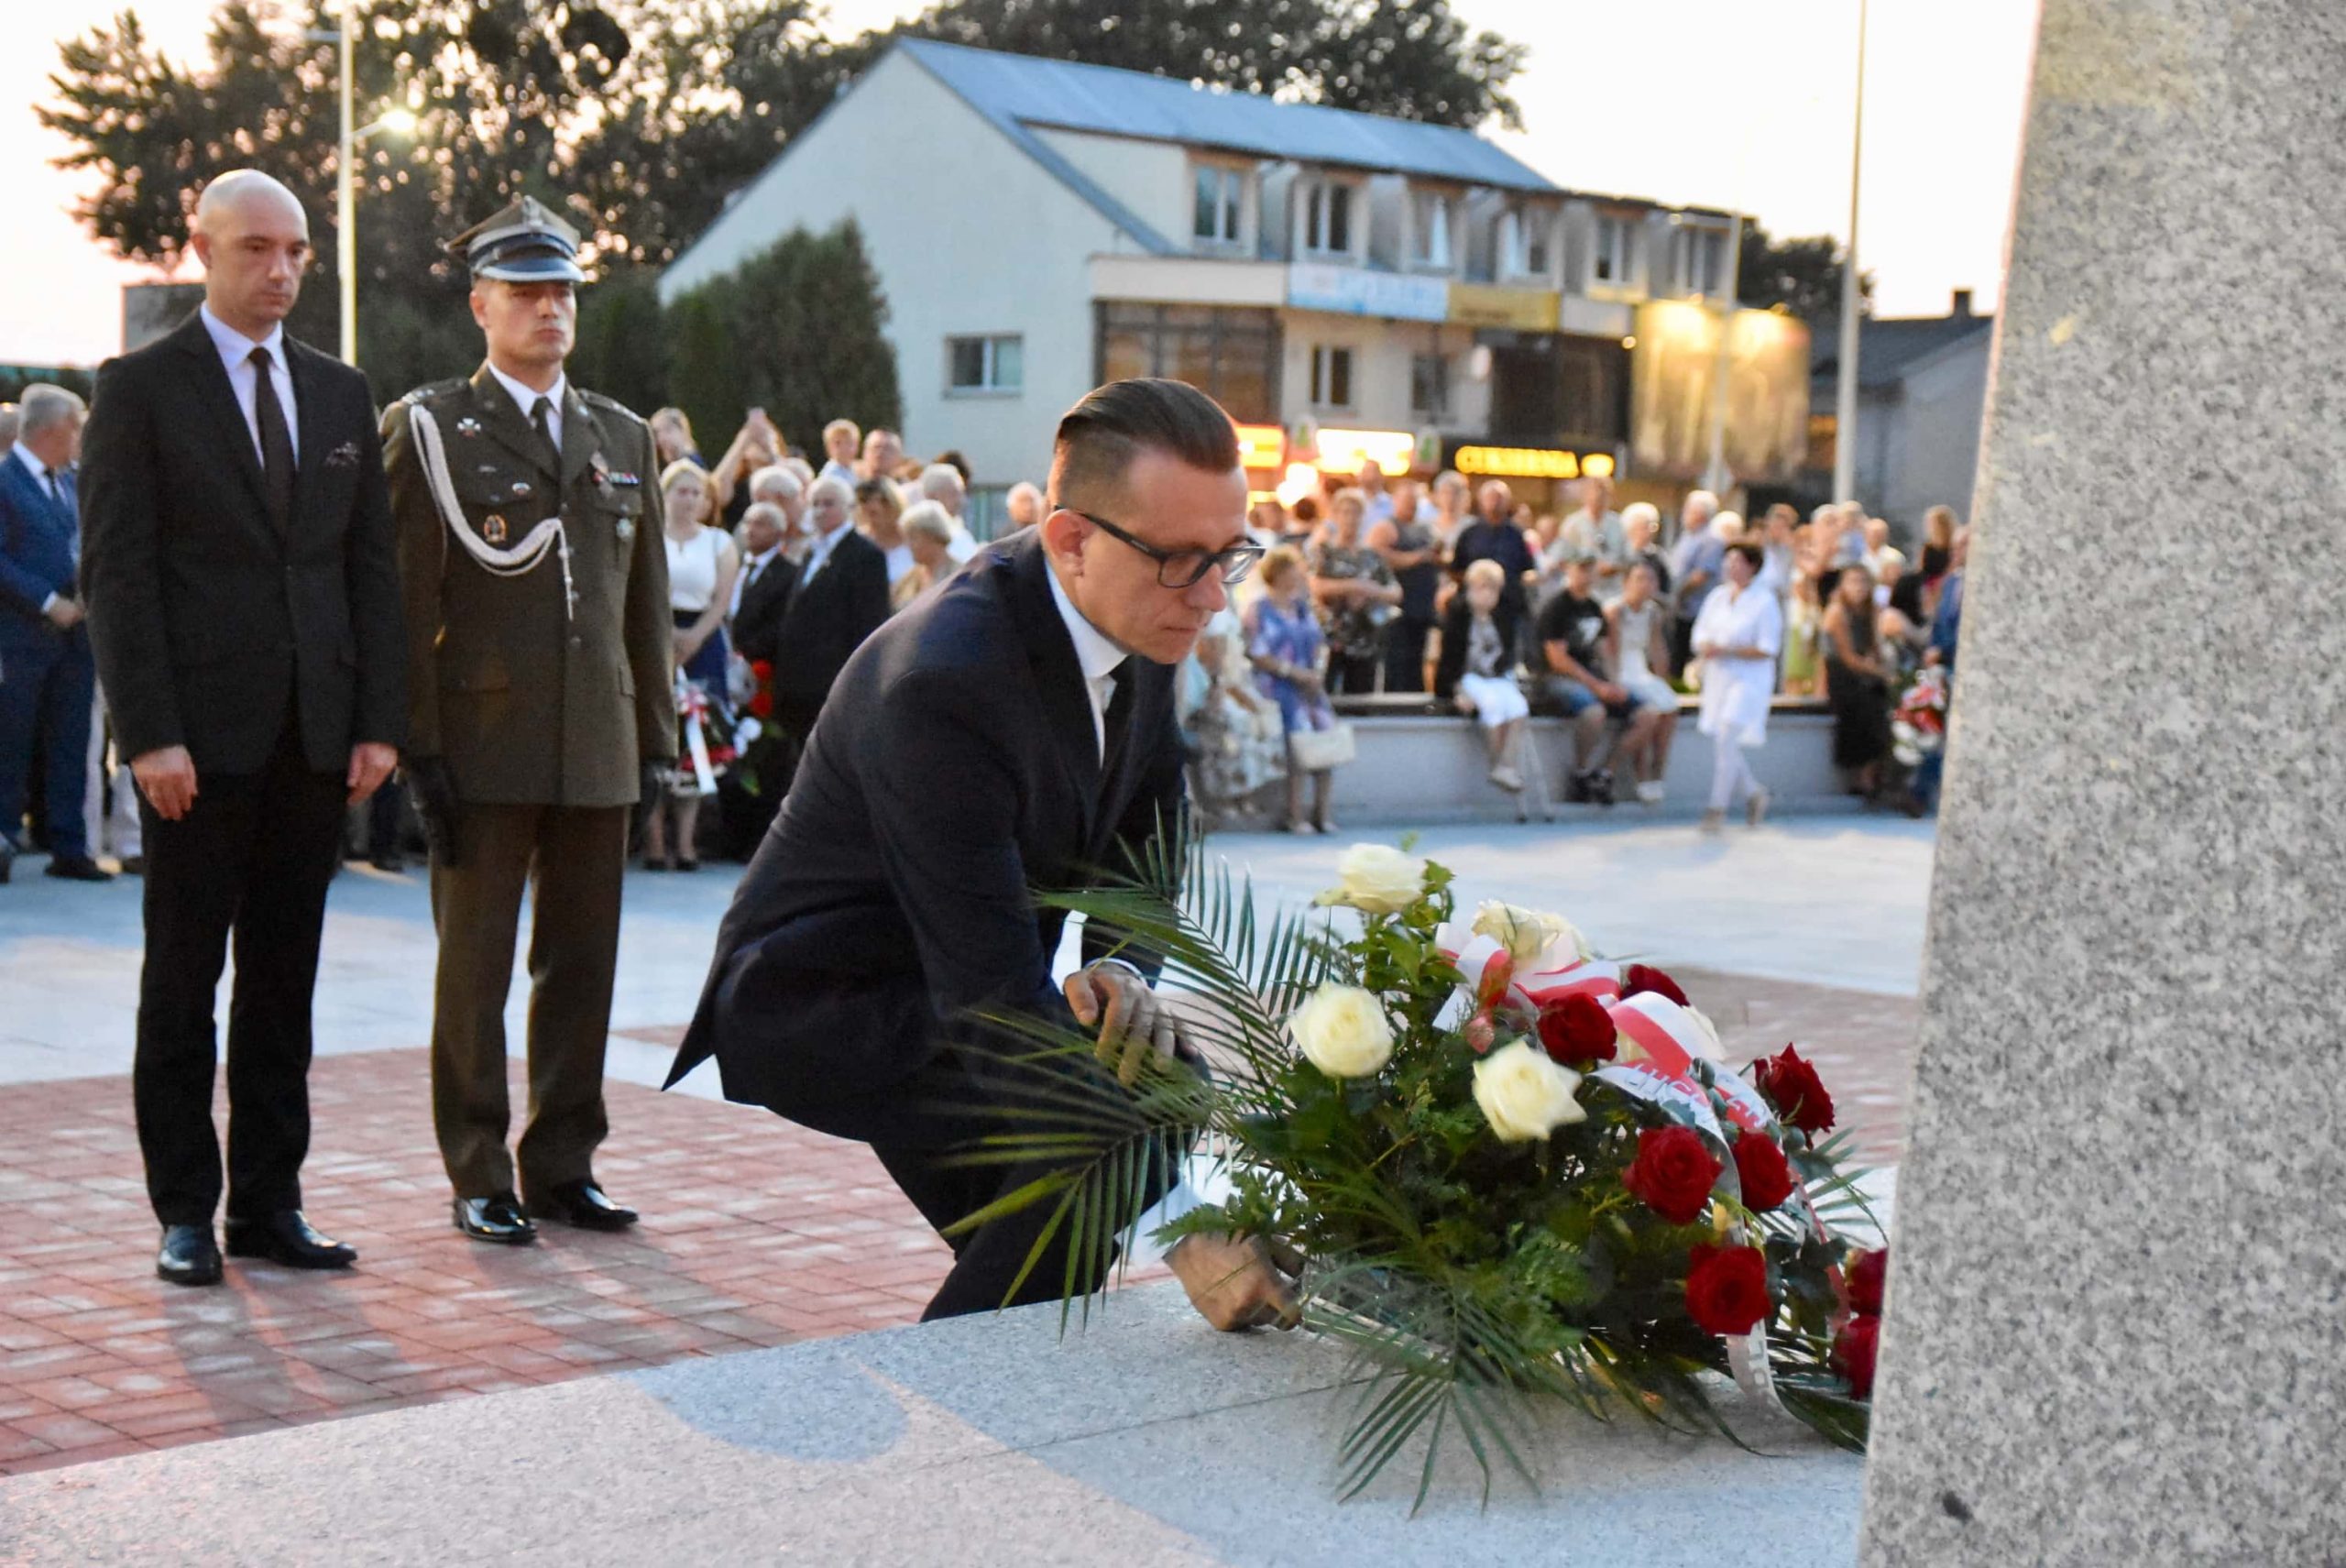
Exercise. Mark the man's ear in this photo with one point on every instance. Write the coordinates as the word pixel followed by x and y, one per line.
pixel 1064 532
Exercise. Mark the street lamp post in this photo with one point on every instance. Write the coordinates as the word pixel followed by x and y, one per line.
pixel 1845 388
pixel 346 194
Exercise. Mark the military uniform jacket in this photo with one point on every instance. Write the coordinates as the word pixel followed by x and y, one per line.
pixel 529 702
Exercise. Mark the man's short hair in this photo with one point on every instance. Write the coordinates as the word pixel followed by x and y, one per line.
pixel 941 479
pixel 929 519
pixel 1646 510
pixel 768 513
pixel 841 425
pixel 831 484
pixel 1099 438
pixel 44 405
pixel 775 480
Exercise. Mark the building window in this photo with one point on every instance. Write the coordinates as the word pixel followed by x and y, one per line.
pixel 1614 259
pixel 1524 241
pixel 1331 376
pixel 1231 354
pixel 1220 194
pixel 1328 218
pixel 984 364
pixel 1430 385
pixel 1429 212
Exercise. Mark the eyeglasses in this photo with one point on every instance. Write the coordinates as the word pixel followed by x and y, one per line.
pixel 1184 568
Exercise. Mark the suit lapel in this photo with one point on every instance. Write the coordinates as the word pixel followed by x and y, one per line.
pixel 308 414
pixel 502 417
pixel 219 399
pixel 1059 680
pixel 581 437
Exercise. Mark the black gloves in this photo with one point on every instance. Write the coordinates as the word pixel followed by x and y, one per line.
pixel 434 789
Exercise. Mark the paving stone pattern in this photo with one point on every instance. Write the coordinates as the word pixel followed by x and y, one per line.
pixel 757 1232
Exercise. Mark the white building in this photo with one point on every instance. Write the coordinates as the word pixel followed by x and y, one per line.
pixel 1364 285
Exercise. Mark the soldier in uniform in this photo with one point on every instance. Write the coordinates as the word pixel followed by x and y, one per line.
pixel 539 649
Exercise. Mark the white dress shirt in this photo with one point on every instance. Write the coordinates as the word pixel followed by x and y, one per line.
pixel 819 551
pixel 1098 658
pixel 236 355
pixel 526 400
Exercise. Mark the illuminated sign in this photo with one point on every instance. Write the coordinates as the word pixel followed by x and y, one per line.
pixel 1532 463
pixel 1261 446
pixel 1350 451
pixel 1521 310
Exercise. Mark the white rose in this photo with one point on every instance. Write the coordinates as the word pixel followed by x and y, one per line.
pixel 1524 1095
pixel 1377 878
pixel 1710 1047
pixel 1526 934
pixel 1342 1032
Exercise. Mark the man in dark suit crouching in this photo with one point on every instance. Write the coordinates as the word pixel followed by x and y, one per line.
pixel 245 605
pixel 1013 731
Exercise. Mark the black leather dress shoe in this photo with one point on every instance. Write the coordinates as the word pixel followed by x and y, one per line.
pixel 499 1219
pixel 583 1204
pixel 76 868
pixel 189 1256
pixel 134 865
pixel 285 1237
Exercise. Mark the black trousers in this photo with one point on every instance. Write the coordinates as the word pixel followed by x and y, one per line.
pixel 1353 673
pixel 1405 655
pixel 863 1060
pixel 250 861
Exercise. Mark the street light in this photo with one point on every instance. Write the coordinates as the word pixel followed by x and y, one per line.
pixel 1845 388
pixel 399 122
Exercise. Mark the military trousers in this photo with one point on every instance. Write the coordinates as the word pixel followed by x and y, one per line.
pixel 572 861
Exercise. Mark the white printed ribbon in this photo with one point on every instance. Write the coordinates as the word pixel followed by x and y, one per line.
pixel 693 703
pixel 511 561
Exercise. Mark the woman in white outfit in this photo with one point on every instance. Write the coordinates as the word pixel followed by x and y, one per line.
pixel 702 562
pixel 1738 636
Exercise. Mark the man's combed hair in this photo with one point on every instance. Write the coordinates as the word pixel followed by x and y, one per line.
pixel 1099 437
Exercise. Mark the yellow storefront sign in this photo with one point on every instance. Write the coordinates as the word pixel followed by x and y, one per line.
pixel 1350 451
pixel 1532 463
pixel 1261 446
pixel 1487 305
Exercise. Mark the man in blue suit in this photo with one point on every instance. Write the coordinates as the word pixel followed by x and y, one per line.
pixel 48 680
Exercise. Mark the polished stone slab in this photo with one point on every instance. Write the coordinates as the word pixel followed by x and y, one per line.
pixel 2117 1316
pixel 1148 1439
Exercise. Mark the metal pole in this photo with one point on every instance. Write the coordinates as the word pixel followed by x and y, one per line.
pixel 1718 480
pixel 1845 391
pixel 345 236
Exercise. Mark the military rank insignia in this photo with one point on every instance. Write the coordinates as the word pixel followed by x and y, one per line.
pixel 492 529
pixel 521 489
pixel 625 528
pixel 469 426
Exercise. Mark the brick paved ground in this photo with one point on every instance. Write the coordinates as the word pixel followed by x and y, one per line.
pixel 758 1233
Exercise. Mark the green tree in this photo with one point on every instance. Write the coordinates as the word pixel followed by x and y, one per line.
pixel 798 329
pixel 622 339
pixel 1802 275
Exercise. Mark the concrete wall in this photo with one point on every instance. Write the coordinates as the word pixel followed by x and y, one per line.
pixel 1381 354
pixel 959 197
pixel 1152 178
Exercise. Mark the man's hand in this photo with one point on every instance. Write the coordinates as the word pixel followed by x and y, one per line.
pixel 64 613
pixel 435 802
pixel 1233 1282
pixel 166 778
pixel 370 763
pixel 1132 1019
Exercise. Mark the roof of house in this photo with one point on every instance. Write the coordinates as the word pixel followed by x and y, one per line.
pixel 1016 91
pixel 1888 349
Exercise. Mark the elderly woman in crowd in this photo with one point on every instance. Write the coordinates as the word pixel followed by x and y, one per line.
pixel 1235 735
pixel 878 517
pixel 928 536
pixel 702 562
pixel 1477 670
pixel 1289 651
pixel 1738 636
pixel 1356 592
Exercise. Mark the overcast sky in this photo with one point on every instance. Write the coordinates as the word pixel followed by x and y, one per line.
pixel 1721 103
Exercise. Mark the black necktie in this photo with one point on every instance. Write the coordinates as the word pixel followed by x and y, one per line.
pixel 57 492
pixel 1118 724
pixel 542 420
pixel 276 445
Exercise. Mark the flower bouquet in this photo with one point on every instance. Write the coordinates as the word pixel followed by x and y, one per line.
pixel 1918 725
pixel 762 752
pixel 1508 1171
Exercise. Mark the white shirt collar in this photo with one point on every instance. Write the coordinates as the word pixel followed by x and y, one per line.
pixel 1097 655
pixel 39 469
pixel 234 348
pixel 526 397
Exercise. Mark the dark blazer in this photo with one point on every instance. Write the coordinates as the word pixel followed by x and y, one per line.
pixel 826 621
pixel 207 621
pixel 530 698
pixel 1457 625
pixel 757 625
pixel 954 770
pixel 39 542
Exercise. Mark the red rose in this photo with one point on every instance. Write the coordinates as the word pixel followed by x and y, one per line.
pixel 1645 977
pixel 1760 1169
pixel 1726 1290
pixel 1867 1272
pixel 761 705
pixel 1792 1086
pixel 763 669
pixel 1853 1350
pixel 1576 1029
pixel 1672 1173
